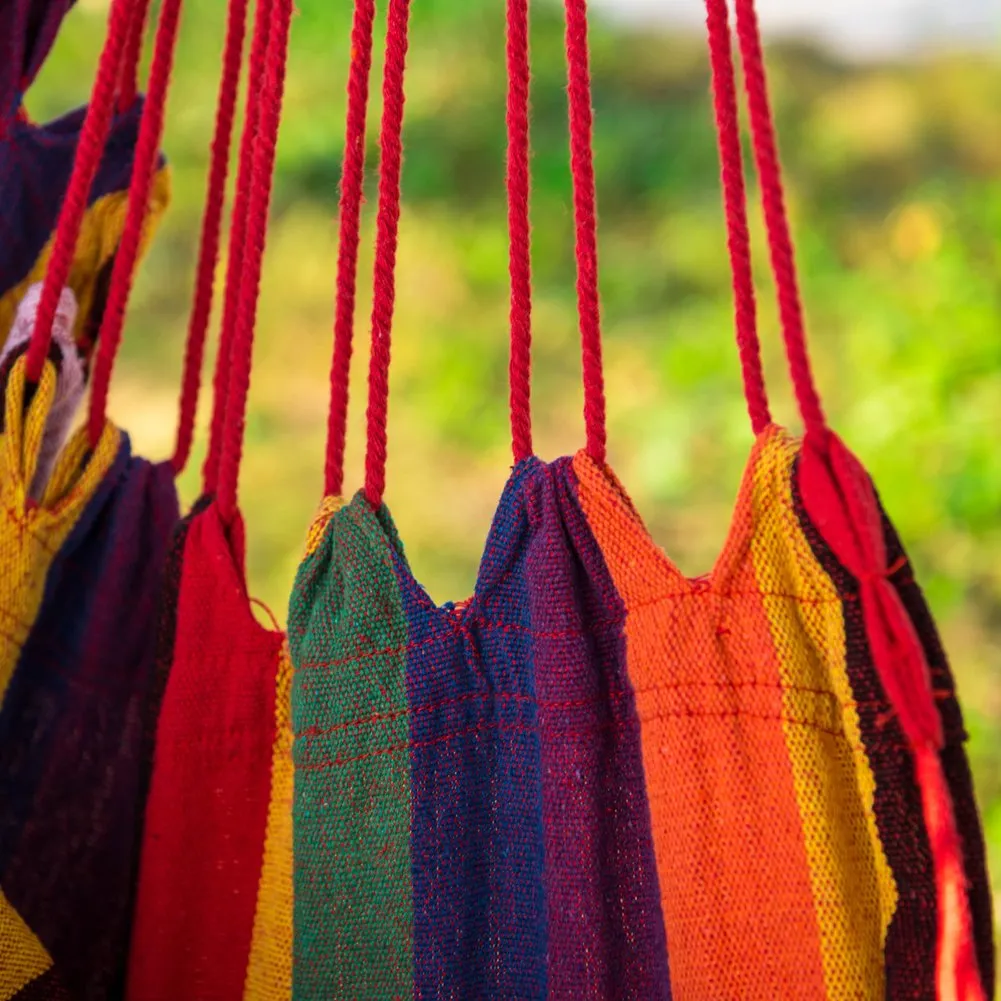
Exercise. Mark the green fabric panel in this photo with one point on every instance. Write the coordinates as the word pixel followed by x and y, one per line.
pixel 353 916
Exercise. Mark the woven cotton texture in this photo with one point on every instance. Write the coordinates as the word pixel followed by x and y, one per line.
pixel 70 375
pixel 470 817
pixel 600 778
pixel 212 891
pixel 791 851
pixel 31 534
pixel 72 761
pixel 79 582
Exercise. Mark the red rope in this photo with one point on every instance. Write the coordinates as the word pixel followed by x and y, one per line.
pixel 776 220
pixel 237 243
pixel 735 199
pixel 585 217
pixel 388 219
pixel 265 142
pixel 352 189
pixel 208 252
pixel 519 226
pixel 128 87
pixel 90 149
pixel 145 161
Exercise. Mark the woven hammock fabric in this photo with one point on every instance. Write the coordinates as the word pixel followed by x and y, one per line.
pixel 471 810
pixel 470 815
pixel 80 578
pixel 214 895
pixel 763 718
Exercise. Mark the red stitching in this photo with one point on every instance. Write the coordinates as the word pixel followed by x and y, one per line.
pixel 607 698
pixel 536 729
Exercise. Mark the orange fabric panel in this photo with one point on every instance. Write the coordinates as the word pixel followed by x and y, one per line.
pixel 735 875
pixel 854 889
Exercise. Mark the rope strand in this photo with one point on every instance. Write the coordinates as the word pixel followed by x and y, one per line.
pixel 352 190
pixel 776 219
pixel 585 218
pixel 145 159
pixel 128 85
pixel 388 220
pixel 735 200
pixel 208 252
pixel 237 245
pixel 519 227
pixel 265 143
pixel 90 149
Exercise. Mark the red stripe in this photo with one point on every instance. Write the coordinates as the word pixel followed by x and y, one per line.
pixel 207 811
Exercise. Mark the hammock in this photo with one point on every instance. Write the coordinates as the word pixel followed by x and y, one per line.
pixel 597 777
pixel 83 574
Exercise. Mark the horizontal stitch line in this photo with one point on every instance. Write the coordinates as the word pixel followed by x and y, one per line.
pixel 429 707
pixel 522 729
pixel 614 696
pixel 733 594
pixel 456 629
pixel 409 745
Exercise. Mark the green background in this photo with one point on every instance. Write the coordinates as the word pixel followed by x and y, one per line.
pixel 894 178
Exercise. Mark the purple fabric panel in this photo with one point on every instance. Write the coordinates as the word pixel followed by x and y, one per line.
pixel 73 747
pixel 28 29
pixel 35 166
pixel 476 831
pixel 606 930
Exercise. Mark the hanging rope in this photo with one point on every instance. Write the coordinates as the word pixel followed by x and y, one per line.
pixel 352 189
pixel 93 136
pixel 735 199
pixel 276 35
pixel 776 220
pixel 128 86
pixel 145 160
pixel 585 219
pixel 387 224
pixel 208 250
pixel 237 244
pixel 519 226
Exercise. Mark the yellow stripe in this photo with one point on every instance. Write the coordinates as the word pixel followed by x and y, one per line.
pixel 854 891
pixel 269 971
pixel 328 508
pixel 22 957
pixel 100 234
pixel 30 534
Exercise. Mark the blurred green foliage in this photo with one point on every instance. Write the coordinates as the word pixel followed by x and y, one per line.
pixel 894 176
